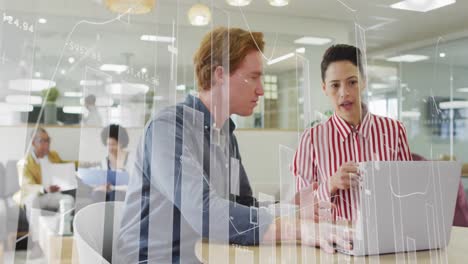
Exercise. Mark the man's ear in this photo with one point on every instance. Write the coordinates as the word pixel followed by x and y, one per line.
pixel 218 75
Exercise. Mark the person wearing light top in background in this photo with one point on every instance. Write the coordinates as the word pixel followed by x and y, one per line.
pixel 115 138
pixel 328 153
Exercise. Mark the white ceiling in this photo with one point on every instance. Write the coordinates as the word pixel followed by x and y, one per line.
pixel 375 15
pixel 385 29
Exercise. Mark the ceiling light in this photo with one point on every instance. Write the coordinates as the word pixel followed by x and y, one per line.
pixel 71 60
pixel 408 58
pixel 37 74
pixel 144 70
pixel 463 90
pixel 130 6
pixel 453 104
pixel 312 41
pixel 127 88
pixel 238 2
pixel 42 20
pixel 199 15
pixel 63 72
pixel 154 38
pixel 282 58
pixel 73 94
pixel 278 2
pixel 73 110
pixel 181 87
pixel 30 85
pixel 411 114
pixel 113 68
pixel 380 86
pixel 23 99
pixel 9 108
pixel 91 82
pixel 422 5
pixel 442 55
pixel 300 50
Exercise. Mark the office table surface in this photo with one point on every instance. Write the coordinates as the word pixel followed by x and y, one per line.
pixel 457 252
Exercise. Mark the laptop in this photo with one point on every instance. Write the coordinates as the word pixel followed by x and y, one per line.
pixel 404 206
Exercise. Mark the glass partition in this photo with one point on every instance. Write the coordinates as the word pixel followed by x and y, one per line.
pixel 97 84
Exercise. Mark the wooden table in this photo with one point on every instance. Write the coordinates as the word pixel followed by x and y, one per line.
pixel 457 252
pixel 57 249
pixel 60 250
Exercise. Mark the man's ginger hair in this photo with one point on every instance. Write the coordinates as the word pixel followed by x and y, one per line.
pixel 215 46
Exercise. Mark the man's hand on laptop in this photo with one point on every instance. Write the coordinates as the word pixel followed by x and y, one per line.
pixel 346 176
pixel 325 236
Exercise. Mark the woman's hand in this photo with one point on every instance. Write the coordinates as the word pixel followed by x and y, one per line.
pixel 346 177
pixel 323 235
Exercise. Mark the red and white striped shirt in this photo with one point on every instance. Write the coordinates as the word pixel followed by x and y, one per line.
pixel 324 148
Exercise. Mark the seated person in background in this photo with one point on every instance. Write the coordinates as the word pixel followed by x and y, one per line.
pixel 328 153
pixel 32 195
pixel 31 176
pixel 116 139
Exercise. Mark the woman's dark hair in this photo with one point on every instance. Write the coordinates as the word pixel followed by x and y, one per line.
pixel 116 132
pixel 341 52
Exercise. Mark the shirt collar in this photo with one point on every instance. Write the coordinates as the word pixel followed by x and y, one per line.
pixel 195 103
pixel 345 129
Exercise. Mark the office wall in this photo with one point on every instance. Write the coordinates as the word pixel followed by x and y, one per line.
pixel 260 150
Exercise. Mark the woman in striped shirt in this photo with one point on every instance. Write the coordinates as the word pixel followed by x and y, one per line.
pixel 328 153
